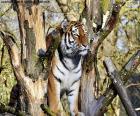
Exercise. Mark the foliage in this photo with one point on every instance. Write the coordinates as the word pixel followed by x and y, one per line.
pixel 7 79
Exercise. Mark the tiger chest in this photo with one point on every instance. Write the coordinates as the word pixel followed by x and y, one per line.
pixel 70 79
pixel 67 74
pixel 67 78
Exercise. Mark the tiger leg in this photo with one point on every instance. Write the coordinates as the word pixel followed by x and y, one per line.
pixel 54 96
pixel 73 99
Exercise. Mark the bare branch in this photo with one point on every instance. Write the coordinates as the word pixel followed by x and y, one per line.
pixel 130 67
pixel 1 60
pixel 90 75
pixel 47 110
pixel 9 8
pixel 133 85
pixel 12 48
pixel 4 108
pixel 61 7
pixel 119 87
pixel 137 109
pixel 109 25
pixel 126 73
pixel 13 51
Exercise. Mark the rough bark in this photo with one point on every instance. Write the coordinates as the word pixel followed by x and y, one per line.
pixel 11 110
pixel 1 59
pixel 90 72
pixel 27 63
pixel 127 71
pixel 119 87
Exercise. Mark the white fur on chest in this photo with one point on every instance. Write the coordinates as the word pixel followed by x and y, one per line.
pixel 68 77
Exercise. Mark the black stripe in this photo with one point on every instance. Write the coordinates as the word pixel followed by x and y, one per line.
pixel 61 57
pixel 69 93
pixel 76 60
pixel 71 42
pixel 59 80
pixel 60 70
pixel 65 39
pixel 78 71
pixel 75 81
pixel 62 92
pixel 68 42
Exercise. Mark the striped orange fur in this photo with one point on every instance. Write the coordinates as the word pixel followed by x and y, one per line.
pixel 66 67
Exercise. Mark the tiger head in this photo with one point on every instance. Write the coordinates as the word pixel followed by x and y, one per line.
pixel 74 39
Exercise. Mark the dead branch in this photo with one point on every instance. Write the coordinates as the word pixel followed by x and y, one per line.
pixel 13 51
pixel 133 85
pixel 62 9
pixel 90 73
pixel 108 96
pixel 119 87
pixel 109 25
pixel 2 57
pixel 4 108
pixel 27 63
pixel 9 8
pixel 46 109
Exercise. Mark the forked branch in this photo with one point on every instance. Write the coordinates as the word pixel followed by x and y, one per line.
pixel 90 75
pixel 4 108
pixel 14 54
pixel 119 87
pixel 126 73
pixel 109 25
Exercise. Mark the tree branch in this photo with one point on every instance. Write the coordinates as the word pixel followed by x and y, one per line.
pixel 109 25
pixel 11 110
pixel 133 85
pixel 126 73
pixel 119 87
pixel 2 57
pixel 9 8
pixel 90 74
pixel 13 51
pixel 47 110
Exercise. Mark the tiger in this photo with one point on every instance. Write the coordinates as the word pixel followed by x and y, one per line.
pixel 66 67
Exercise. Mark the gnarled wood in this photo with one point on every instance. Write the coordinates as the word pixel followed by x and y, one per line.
pixel 90 72
pixel 27 64
pixel 119 87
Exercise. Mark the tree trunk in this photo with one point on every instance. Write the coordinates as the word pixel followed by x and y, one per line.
pixel 31 25
pixel 27 62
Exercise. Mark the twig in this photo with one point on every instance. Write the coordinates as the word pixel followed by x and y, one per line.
pixel 2 57
pixel 65 14
pixel 2 14
pixel 133 84
pixel 137 109
pixel 89 105
pixel 115 77
pixel 47 110
pixel 109 25
pixel 13 51
pixel 108 96
pixel 112 107
pixel 4 108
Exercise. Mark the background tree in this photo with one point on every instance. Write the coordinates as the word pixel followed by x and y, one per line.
pixel 30 66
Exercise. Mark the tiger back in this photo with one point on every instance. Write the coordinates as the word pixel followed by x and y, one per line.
pixel 66 67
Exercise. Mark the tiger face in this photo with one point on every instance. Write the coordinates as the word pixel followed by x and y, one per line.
pixel 74 39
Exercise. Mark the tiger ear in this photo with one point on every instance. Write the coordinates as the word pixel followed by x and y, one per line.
pixel 64 25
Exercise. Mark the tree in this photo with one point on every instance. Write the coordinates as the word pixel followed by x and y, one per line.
pixel 28 62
